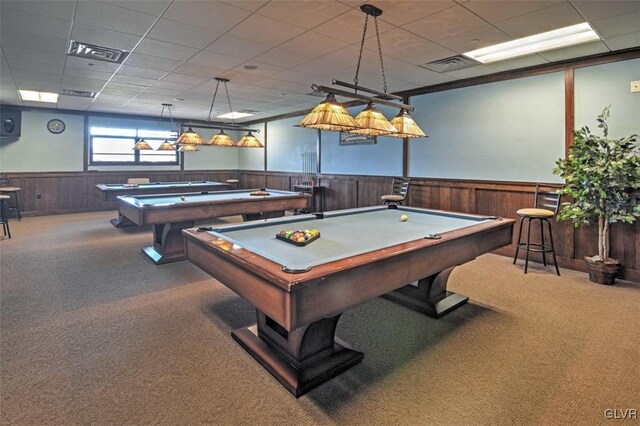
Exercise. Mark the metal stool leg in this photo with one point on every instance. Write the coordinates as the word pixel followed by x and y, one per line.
pixel 544 254
pixel 17 201
pixel 519 239
pixel 5 219
pixel 526 259
pixel 553 249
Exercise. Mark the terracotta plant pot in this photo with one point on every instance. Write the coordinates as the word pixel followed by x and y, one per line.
pixel 601 272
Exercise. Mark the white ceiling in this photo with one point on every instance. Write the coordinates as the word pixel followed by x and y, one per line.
pixel 177 47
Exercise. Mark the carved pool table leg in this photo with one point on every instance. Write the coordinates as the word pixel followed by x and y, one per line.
pixel 430 296
pixel 300 359
pixel 122 221
pixel 167 242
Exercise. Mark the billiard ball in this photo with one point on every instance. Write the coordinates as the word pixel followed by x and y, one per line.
pixel 404 218
pixel 183 198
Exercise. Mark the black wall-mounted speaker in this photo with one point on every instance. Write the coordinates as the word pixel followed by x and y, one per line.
pixel 10 123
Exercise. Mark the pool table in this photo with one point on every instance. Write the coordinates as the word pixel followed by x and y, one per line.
pixel 300 292
pixel 171 213
pixel 111 192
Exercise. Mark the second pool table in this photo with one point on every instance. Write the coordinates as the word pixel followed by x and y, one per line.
pixel 171 213
pixel 300 292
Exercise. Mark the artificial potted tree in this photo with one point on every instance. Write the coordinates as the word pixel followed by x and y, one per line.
pixel 602 178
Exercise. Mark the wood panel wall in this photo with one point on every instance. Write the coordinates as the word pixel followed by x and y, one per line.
pixel 72 192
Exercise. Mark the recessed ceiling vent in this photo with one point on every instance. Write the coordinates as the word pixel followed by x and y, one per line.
pixel 453 63
pixel 79 93
pixel 99 53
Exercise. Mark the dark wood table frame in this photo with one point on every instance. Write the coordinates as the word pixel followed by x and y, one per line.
pixel 297 314
pixel 169 221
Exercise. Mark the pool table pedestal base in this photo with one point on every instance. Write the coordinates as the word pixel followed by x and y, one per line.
pixel 167 242
pixel 300 359
pixel 430 296
pixel 122 221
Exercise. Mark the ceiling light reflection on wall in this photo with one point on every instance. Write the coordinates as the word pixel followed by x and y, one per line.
pixel 31 95
pixel 563 37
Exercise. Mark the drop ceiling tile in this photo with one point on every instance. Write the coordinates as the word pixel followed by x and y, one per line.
pixel 86 64
pixel 113 18
pixel 124 87
pixel 447 23
pixel 71 82
pixel 624 41
pixel 30 75
pixel 165 50
pixel 104 37
pixel 73 102
pixel 596 10
pixel 500 10
pixel 618 25
pixel 551 18
pixel 409 47
pixel 306 14
pixel 39 85
pixel 10 97
pixel 120 92
pixel 39 56
pixel 348 27
pixel 173 86
pixel 19 64
pixel 215 60
pixel 179 33
pixel 36 42
pixel 164 91
pixel 313 44
pixel 283 58
pixel 250 5
pixel 150 7
pixel 412 73
pixel 262 70
pixel 119 78
pixel 184 79
pixel 206 14
pixel 575 51
pixel 265 30
pixel 402 12
pixel 476 71
pixel 517 63
pixel 15 23
pixel 198 70
pixel 55 9
pixel 237 47
pixel 474 39
pixel 153 62
pixel 141 72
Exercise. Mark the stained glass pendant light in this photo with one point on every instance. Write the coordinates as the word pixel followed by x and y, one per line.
pixel 221 139
pixel 166 146
pixel 405 126
pixel 190 138
pixel 329 115
pixel 188 148
pixel 142 145
pixel 372 122
pixel 249 141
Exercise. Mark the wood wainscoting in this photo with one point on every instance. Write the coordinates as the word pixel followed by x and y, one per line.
pixel 73 192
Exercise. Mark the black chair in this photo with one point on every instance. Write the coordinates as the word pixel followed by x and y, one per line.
pixel 399 191
pixel 4 219
pixel 545 206
pixel 7 189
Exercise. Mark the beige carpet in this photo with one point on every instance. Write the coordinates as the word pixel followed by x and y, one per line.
pixel 92 332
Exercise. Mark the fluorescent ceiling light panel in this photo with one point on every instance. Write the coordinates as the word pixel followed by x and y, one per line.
pixel 30 95
pixel 563 37
pixel 234 115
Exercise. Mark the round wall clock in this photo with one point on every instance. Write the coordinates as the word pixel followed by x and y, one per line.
pixel 56 126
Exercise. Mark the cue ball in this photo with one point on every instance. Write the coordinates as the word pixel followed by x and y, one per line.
pixel 404 218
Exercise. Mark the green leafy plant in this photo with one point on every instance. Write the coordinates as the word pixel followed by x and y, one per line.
pixel 602 179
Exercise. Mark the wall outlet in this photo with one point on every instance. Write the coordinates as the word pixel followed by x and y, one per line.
pixel 38 196
pixel 635 86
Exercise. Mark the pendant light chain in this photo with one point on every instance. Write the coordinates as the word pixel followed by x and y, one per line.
pixel 364 33
pixel 384 77
pixel 214 99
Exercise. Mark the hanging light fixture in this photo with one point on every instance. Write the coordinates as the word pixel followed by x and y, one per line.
pixel 190 138
pixel 221 138
pixel 249 141
pixel 166 145
pixel 142 145
pixel 188 148
pixel 330 115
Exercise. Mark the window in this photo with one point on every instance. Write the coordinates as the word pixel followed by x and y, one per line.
pixel 109 145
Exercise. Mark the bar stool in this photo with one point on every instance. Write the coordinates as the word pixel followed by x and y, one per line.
pixel 545 207
pixel 399 190
pixel 4 219
pixel 233 182
pixel 9 191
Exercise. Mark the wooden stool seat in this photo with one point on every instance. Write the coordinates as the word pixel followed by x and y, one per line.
pixel 12 190
pixel 4 219
pixel 392 198
pixel 399 191
pixel 232 181
pixel 535 213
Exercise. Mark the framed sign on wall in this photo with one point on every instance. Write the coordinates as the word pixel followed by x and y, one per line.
pixel 351 139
